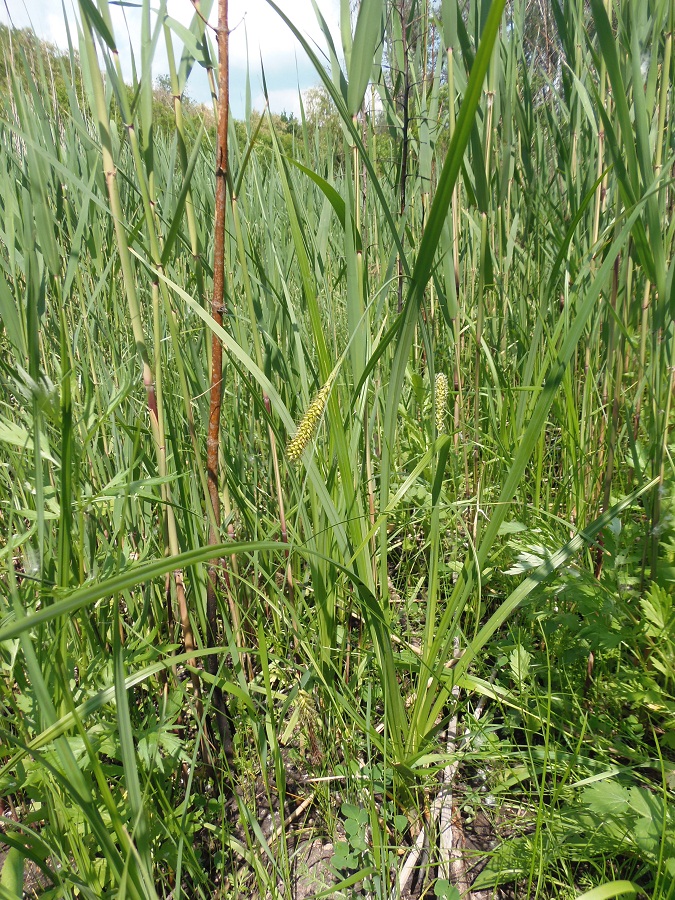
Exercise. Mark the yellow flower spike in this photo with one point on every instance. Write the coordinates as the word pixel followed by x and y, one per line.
pixel 440 401
pixel 308 424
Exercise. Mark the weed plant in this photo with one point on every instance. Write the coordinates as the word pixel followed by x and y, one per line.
pixel 445 461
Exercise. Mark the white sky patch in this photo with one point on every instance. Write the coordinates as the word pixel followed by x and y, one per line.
pixel 282 99
pixel 55 26
pixel 269 36
pixel 257 32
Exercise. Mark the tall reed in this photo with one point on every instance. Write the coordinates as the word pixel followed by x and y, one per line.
pixel 445 318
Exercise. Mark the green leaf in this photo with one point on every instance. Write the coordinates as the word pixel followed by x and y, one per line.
pixel 607 798
pixel 11 318
pixel 446 891
pixel 609 890
pixel 98 24
pixel 134 575
pixel 197 29
pixel 366 51
pixel 400 823
pixel 331 195
pixel 520 663
pixel 356 813
pixel 347 882
pixel 11 878
pixel 192 39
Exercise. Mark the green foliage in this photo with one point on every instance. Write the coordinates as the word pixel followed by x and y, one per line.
pixel 478 515
pixel 31 60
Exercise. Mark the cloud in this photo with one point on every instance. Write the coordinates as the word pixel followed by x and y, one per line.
pixel 281 99
pixel 268 36
pixel 57 31
pixel 259 34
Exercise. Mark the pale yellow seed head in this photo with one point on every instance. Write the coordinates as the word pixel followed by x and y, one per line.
pixel 308 424
pixel 440 401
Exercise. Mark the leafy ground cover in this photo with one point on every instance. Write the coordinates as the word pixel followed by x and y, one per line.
pixel 413 632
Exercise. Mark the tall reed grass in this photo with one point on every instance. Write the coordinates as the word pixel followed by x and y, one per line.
pixel 512 258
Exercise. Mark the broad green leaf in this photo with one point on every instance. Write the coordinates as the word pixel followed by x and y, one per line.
pixel 366 51
pixel 609 890
pixel 11 876
pixel 12 319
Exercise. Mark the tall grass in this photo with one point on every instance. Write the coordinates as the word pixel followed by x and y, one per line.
pixel 511 257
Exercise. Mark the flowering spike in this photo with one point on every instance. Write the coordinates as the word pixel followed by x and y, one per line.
pixel 308 424
pixel 440 401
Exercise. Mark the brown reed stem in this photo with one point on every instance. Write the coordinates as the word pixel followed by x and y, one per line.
pixel 216 394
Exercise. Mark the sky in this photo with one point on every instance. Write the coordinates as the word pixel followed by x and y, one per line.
pixel 252 22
